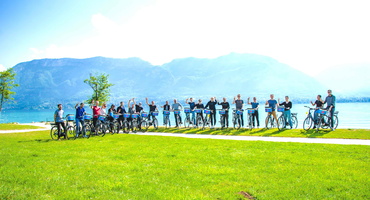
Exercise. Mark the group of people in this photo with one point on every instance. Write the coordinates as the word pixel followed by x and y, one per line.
pixel 137 108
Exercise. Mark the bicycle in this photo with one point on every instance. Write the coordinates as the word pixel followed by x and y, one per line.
pixel 199 119
pixel 188 120
pixel 114 125
pixel 324 120
pixel 271 123
pixel 87 127
pixel 309 120
pixel 54 132
pixel 101 126
pixel 146 123
pixel 237 118
pixel 250 112
pixel 70 128
pixel 283 121
pixel 134 123
pixel 222 113
pixel 125 123
pixel 166 118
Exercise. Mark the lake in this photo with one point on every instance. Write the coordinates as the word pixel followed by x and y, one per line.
pixel 351 115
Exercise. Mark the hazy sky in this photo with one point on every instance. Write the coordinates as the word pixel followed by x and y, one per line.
pixel 308 35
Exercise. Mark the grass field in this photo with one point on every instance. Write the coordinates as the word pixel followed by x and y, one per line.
pixel 152 167
pixel 339 133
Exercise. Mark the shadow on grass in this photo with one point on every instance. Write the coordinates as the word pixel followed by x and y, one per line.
pixel 37 140
pixel 313 133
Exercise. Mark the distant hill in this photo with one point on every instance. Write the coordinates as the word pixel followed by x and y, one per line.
pixel 46 82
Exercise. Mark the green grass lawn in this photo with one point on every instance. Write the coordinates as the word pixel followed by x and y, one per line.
pixel 17 127
pixel 128 166
pixel 339 133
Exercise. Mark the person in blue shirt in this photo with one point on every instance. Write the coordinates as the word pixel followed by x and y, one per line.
pixel 59 121
pixel 255 106
pixel 192 107
pixel 80 112
pixel 273 104
pixel 176 106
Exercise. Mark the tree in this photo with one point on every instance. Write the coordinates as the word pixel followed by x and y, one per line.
pixel 6 84
pixel 100 85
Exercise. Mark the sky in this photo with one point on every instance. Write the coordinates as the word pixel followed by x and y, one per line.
pixel 312 35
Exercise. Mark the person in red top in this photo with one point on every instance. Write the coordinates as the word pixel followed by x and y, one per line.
pixel 96 111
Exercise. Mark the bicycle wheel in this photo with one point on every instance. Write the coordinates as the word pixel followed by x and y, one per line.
pixel 126 127
pixel 336 121
pixel 116 127
pixel 86 130
pixel 134 127
pixel 294 122
pixel 269 121
pixel 187 122
pixel 222 118
pixel 71 132
pixel 103 129
pixel 178 121
pixel 250 121
pixel 54 133
pixel 155 123
pixel 207 123
pixel 307 123
pixel 144 125
pixel 325 123
pixel 200 122
pixel 236 122
pixel 281 123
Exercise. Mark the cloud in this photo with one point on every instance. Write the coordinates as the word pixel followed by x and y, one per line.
pixel 2 68
pixel 310 36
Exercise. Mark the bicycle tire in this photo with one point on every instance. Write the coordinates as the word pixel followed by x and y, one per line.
pixel 178 121
pixel 281 122
pixel 155 123
pixel 187 122
pixel 134 127
pixel 269 121
pixel 144 125
pixel 237 122
pixel 336 121
pixel 126 127
pixel 307 123
pixel 294 122
pixel 200 123
pixel 71 132
pixel 325 123
pixel 222 118
pixel 250 121
pixel 166 121
pixel 54 133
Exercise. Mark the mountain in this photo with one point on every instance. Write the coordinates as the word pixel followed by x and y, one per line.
pixel 46 82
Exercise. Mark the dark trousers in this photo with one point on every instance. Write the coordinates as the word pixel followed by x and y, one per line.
pixel 213 117
pixel 255 118
pixel 242 119
pixel 226 119
pixel 59 125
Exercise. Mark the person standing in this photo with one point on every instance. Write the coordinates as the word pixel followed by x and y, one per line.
pixel 176 106
pixel 58 119
pixel 255 106
pixel 239 103
pixel 287 107
pixel 273 104
pixel 80 122
pixel 319 103
pixel 225 106
pixel 192 106
pixel 96 111
pixel 166 107
pixel 211 105
pixel 330 106
pixel 199 105
pixel 152 108
pixel 121 110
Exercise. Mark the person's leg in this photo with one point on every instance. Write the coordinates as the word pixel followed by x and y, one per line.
pixel 289 117
pixel 254 119
pixel 226 118
pixel 83 128
pixel 64 129
pixel 266 121
pixel 58 127
pixel 275 117
pixel 176 122
pixel 242 119
pixel 77 126
pixel 193 116
pixel 332 118
pixel 257 118
pixel 286 115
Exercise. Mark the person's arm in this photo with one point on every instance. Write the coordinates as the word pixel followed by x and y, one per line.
pixel 267 103
pixel 290 105
pixel 128 104
pixel 133 100
pixel 146 100
pixel 234 100
pixel 156 108
pixel 76 105
pixel 207 105
pixel 313 104
pixel 186 101
pixel 228 106
pixel 248 102
pixel 258 105
pixel 92 104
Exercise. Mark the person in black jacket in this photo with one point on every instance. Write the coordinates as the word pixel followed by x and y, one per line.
pixel 225 106
pixel 211 105
pixel 288 105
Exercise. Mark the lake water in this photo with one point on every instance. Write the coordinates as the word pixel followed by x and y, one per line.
pixel 351 115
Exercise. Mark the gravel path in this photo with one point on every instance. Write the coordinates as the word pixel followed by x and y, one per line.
pixel 227 137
